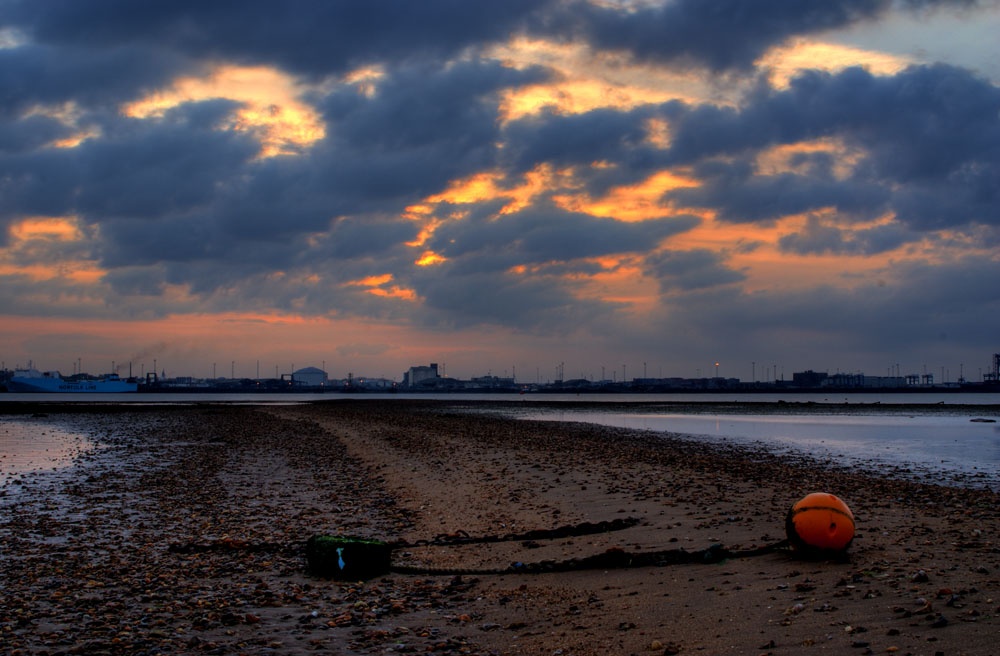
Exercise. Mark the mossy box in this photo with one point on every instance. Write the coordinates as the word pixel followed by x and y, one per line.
pixel 346 558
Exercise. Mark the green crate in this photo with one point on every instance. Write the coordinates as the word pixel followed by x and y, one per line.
pixel 347 558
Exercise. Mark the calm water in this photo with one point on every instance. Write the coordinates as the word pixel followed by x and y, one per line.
pixel 938 447
pixel 853 431
pixel 928 398
pixel 35 444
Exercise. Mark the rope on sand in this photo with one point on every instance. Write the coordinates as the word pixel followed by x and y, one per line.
pixel 444 539
pixel 567 531
pixel 347 558
pixel 353 558
pixel 614 558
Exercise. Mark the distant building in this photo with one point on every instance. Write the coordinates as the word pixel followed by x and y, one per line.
pixel 842 381
pixel 492 383
pixel 891 382
pixel 415 376
pixel 364 383
pixel 309 377
pixel 809 378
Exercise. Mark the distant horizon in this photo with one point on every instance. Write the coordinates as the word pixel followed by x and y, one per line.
pixel 769 373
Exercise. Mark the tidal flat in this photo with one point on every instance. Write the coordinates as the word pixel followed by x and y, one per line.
pixel 183 531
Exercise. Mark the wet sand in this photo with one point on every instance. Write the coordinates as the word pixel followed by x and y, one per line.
pixel 184 533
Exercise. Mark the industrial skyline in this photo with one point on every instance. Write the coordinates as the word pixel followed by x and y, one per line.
pixel 986 371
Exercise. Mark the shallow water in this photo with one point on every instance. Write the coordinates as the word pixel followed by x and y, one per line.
pixel 934 447
pixel 31 445
pixel 821 398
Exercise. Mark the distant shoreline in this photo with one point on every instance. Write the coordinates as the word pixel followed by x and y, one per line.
pixel 85 405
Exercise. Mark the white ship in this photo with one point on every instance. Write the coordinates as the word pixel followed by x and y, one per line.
pixel 33 380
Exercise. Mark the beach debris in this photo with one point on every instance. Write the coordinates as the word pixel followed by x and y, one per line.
pixel 347 558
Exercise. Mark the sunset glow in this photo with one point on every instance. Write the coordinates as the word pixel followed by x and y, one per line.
pixel 586 80
pixel 638 202
pixel 271 108
pixel 46 228
pixel 801 55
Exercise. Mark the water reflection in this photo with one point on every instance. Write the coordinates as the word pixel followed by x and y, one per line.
pixel 939 445
pixel 28 445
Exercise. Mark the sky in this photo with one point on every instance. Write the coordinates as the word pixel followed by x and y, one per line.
pixel 602 188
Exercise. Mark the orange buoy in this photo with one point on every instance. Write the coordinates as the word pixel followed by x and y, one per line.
pixel 820 524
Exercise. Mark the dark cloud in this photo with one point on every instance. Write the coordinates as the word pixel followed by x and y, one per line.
pixel 929 138
pixel 136 168
pixel 40 182
pixel 33 75
pixel 908 310
pixel 719 35
pixel 544 234
pixel 30 133
pixel 154 168
pixel 968 195
pixel 477 286
pixel 306 37
pixel 923 123
pixel 740 194
pixel 359 238
pixel 819 237
pixel 425 105
pixel 690 270
pixel 316 38
pixel 569 140
pixel 422 128
pixel 526 303
pixel 128 243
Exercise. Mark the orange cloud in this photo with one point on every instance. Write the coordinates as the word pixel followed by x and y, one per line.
pixel 379 286
pixel 485 186
pixel 38 239
pixel 779 159
pixel 621 280
pixel 271 105
pixel 588 79
pixel 786 61
pixel 473 189
pixel 430 258
pixel 755 251
pixel 370 281
pixel 394 292
pixel 638 202
pixel 56 228
pixel 365 80
pixel 481 187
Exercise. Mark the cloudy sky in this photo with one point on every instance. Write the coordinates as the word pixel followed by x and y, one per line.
pixel 621 186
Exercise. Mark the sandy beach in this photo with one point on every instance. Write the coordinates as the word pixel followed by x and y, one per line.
pixel 184 533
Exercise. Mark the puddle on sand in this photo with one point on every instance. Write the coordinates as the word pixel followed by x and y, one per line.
pixel 36 445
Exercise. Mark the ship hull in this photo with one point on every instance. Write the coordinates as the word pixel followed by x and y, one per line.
pixel 54 385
